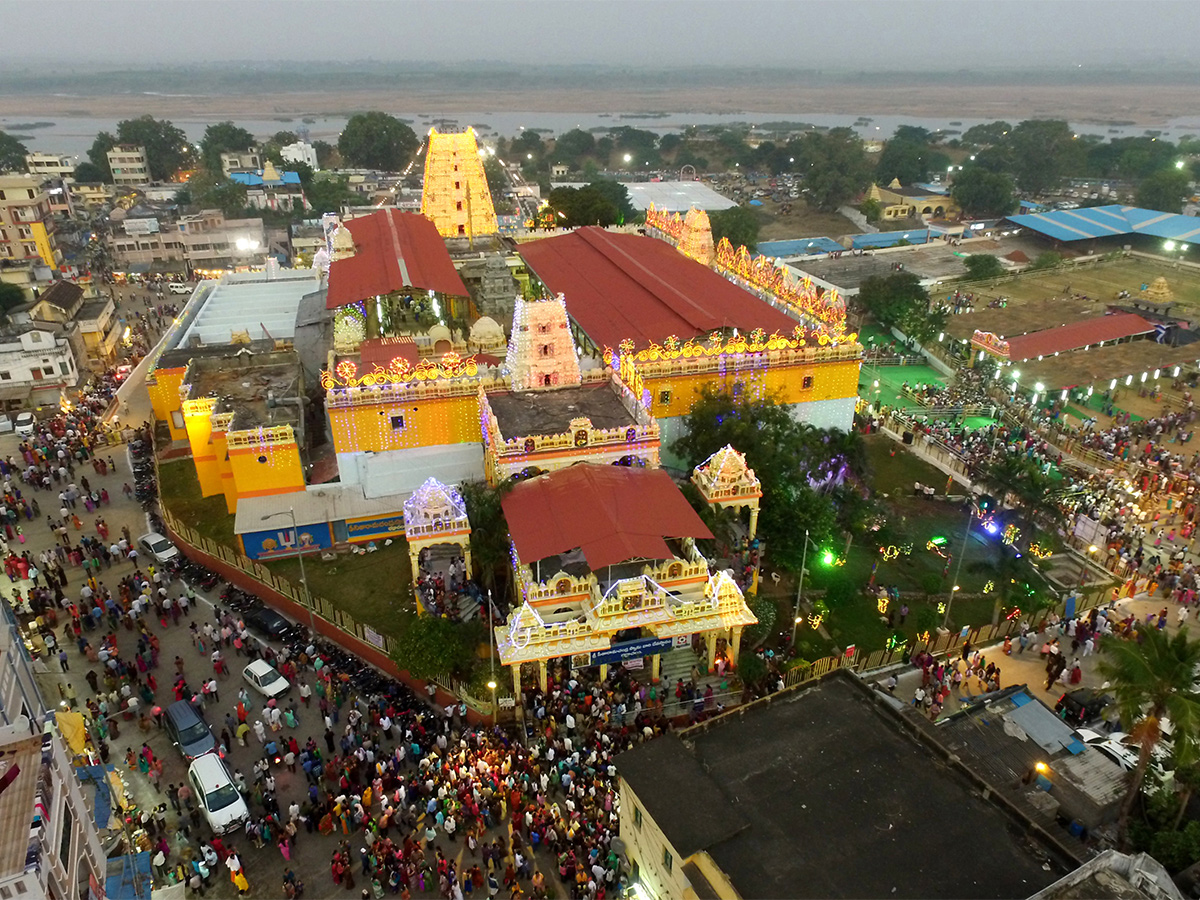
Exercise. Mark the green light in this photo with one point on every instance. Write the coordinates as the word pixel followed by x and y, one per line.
pixel 828 558
pixel 937 541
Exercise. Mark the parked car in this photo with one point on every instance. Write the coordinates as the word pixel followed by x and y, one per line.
pixel 188 731
pixel 221 803
pixel 26 424
pixel 177 287
pixel 158 547
pixel 265 678
pixel 268 622
pixel 1081 706
pixel 1123 749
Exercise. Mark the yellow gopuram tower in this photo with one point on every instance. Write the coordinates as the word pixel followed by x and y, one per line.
pixel 456 196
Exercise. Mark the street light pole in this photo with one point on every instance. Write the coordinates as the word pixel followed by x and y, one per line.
pixel 958 568
pixel 290 512
pixel 491 657
pixel 800 588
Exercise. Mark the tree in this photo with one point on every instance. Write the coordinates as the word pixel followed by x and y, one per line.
pixel 1047 260
pixel 899 301
pixel 375 140
pixel 489 533
pixel 905 161
pixel 983 265
pixel 738 223
pixel 87 172
pixel 328 194
pixel 1043 150
pixel 1152 678
pixel 430 646
pixel 913 134
pixel 1164 191
pixel 228 196
pixel 986 135
pixel 872 209
pixel 325 153
pixel 12 154
pixel 222 137
pixel 167 147
pixel 982 193
pixel 834 166
pixel 575 207
pixel 572 147
pixel 98 155
pixel 283 138
pixel 10 295
pixel 618 195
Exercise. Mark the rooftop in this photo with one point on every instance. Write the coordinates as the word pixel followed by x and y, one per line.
pixel 394 251
pixel 1110 221
pixel 63 294
pixel 1023 316
pixel 629 512
pixel 620 286
pixel 260 304
pixel 1075 335
pixel 670 196
pixel 551 412
pixel 821 793
pixel 241 384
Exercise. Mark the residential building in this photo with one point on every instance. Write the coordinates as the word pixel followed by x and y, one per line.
pixel 240 159
pixel 196 244
pixel 90 193
pixel 756 803
pixel 58 195
pixel 37 362
pixel 306 239
pixel 268 188
pixel 26 223
pixel 50 165
pixel 129 165
pixel 52 848
pixel 300 152
pixel 94 319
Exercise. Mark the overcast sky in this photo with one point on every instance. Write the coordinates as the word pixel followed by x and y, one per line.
pixel 853 34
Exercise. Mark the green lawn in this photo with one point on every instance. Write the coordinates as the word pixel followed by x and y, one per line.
pixel 894 469
pixel 179 491
pixel 891 379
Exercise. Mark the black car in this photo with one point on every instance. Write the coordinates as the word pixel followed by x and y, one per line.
pixel 1082 705
pixel 268 622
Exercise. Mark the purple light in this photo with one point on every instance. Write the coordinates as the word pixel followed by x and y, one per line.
pixel 991 528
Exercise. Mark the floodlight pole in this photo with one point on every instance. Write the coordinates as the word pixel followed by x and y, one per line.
pixel 290 512
pixel 958 568
pixel 800 588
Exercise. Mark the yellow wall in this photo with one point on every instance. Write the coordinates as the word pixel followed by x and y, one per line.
pixel 164 398
pixel 427 423
pixel 197 418
pixel 281 473
pixel 830 381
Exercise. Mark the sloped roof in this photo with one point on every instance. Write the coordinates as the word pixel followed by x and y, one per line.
pixel 620 286
pixel 63 294
pixel 1076 335
pixel 1110 221
pixel 394 251
pixel 255 179
pixel 612 513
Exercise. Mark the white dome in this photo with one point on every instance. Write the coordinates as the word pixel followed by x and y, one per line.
pixel 487 329
pixel 440 333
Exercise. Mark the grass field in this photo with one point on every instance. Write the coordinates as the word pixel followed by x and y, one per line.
pixel 1102 281
pixel 179 491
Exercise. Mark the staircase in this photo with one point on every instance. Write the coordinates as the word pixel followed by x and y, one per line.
pixel 676 664
pixel 438 563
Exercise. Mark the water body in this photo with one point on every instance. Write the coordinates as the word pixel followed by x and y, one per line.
pixel 75 134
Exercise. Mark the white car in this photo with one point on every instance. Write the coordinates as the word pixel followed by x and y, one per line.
pixel 158 547
pixel 1122 748
pixel 222 804
pixel 176 287
pixel 265 679
pixel 26 424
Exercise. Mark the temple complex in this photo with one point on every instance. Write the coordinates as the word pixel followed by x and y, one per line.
pixel 456 197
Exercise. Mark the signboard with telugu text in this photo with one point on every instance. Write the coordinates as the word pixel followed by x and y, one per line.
pixel 364 529
pixel 619 653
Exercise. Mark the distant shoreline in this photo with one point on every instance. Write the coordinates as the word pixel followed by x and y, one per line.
pixel 1146 105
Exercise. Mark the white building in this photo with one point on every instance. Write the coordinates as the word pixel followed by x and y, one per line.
pixel 50 165
pixel 129 165
pixel 36 359
pixel 50 846
pixel 240 159
pixel 300 152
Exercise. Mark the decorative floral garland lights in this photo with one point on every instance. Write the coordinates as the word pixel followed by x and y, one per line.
pixel 759 273
pixel 451 365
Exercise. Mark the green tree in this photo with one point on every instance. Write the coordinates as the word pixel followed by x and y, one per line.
pixel 983 265
pixel 222 137
pixel 899 301
pixel 1164 191
pixel 431 646
pixel 87 172
pixel 10 295
pixel 98 155
pixel 328 194
pixel 573 146
pixel 834 166
pixel 738 223
pixel 375 140
pixel 618 195
pixel 1047 260
pixel 913 134
pixel 167 147
pixel 325 153
pixel 872 209
pixel 283 138
pixel 1043 151
pixel 1152 678
pixel 903 160
pixel 986 135
pixel 489 533
pixel 12 154
pixel 979 192
pixel 228 196
pixel 575 207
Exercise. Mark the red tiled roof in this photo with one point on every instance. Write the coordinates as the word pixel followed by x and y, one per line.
pixel 611 513
pixel 621 286
pixel 1076 335
pixel 393 251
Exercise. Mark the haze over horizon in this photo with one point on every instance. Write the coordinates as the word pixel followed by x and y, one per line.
pixel 851 35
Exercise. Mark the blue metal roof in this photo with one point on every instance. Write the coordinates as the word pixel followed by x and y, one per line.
pixel 798 247
pixel 889 238
pixel 1110 221
pixel 255 179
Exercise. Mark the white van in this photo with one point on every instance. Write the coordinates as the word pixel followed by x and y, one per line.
pixel 222 804
pixel 176 287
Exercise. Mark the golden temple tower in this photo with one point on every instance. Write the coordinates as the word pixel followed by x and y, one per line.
pixel 456 196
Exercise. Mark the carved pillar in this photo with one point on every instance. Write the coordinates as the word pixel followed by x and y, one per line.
pixel 655 668
pixel 735 644
pixel 542 675
pixel 710 638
